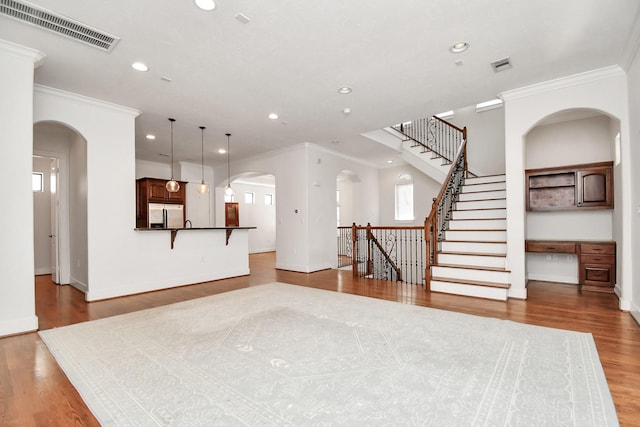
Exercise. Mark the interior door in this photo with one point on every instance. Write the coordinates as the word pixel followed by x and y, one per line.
pixel 55 222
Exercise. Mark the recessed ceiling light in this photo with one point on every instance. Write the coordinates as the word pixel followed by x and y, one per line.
pixel 346 110
pixel 222 151
pixel 344 90
pixel 150 137
pixel 206 4
pixel 389 161
pixel 140 66
pixel 273 116
pixel 459 47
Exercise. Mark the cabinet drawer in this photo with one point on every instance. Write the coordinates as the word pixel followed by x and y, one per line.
pixel 551 247
pixel 598 248
pixel 598 259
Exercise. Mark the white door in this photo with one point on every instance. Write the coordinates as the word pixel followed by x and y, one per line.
pixel 55 255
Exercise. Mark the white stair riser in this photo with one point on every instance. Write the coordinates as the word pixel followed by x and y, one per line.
pixel 484 213
pixel 476 236
pixel 471 274
pixel 490 186
pixel 475 247
pixel 483 195
pixel 475 260
pixel 478 224
pixel 469 290
pixel 485 179
pixel 481 204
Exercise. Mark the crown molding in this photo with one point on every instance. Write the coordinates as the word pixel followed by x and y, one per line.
pixel 85 100
pixel 563 82
pixel 22 52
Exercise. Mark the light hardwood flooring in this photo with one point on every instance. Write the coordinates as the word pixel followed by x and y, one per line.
pixel 35 392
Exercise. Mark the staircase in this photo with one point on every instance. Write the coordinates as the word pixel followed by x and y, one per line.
pixel 472 255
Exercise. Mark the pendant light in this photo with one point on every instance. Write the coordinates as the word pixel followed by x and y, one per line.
pixel 203 188
pixel 228 190
pixel 172 185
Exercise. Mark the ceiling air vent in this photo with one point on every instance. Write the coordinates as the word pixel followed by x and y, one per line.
pixel 43 18
pixel 501 64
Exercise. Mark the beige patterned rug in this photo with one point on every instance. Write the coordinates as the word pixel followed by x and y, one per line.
pixel 286 355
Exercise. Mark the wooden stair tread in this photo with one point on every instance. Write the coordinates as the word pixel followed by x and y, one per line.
pixel 481 191
pixel 482 200
pixel 478 229
pixel 472 282
pixel 473 267
pixel 476 219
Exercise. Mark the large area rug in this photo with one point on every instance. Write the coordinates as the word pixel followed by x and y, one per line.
pixel 288 355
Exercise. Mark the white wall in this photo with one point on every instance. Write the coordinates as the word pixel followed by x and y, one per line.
pixel 424 191
pixel 78 199
pixel 604 90
pixel 485 135
pixel 17 296
pixel 42 218
pixel 633 142
pixel 306 201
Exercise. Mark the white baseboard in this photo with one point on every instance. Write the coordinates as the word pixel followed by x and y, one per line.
pixel 303 268
pixel 42 271
pixel 262 250
pixel 635 312
pixel 18 326
pixel 81 286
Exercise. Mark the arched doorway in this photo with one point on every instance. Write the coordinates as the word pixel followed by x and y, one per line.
pixel 64 243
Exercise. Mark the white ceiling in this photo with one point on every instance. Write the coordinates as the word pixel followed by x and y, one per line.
pixel 293 56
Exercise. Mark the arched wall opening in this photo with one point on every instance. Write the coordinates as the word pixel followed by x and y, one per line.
pixel 565 138
pixel 65 242
pixel 255 194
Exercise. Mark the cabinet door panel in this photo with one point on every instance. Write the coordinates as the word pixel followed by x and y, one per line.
pixel 157 191
pixel 594 187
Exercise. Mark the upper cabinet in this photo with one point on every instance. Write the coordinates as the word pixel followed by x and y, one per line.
pixel 153 190
pixel 587 186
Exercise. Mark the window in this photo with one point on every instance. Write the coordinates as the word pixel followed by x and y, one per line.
pixel 268 199
pixel 337 196
pixel 229 199
pixel 37 182
pixel 249 198
pixel 404 197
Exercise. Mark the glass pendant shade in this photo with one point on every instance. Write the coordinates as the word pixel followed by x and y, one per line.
pixel 172 185
pixel 203 188
pixel 228 190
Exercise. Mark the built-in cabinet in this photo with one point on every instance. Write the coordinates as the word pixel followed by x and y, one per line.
pixel 586 186
pixel 596 260
pixel 153 190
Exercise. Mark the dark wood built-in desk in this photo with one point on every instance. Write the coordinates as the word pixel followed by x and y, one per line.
pixel 596 260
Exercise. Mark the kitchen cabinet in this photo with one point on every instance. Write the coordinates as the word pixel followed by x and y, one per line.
pixel 577 187
pixel 153 190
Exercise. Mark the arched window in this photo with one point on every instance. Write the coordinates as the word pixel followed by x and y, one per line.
pixel 404 197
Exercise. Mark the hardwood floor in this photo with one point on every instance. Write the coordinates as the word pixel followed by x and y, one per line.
pixel 35 392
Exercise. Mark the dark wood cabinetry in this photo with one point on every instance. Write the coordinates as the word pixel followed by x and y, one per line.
pixel 596 261
pixel 598 266
pixel 587 186
pixel 153 190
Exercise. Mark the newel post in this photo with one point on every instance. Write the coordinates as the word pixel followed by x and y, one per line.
pixel 464 140
pixel 354 250
pixel 369 260
pixel 427 239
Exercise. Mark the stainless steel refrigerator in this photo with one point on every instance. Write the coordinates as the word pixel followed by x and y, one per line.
pixel 165 215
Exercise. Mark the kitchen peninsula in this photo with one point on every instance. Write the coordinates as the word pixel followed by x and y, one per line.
pixel 174 231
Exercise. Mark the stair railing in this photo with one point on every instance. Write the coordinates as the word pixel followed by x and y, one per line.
pixel 388 253
pixel 434 134
pixel 437 222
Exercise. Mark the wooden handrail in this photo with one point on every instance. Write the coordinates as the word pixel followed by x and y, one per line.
pixel 463 130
